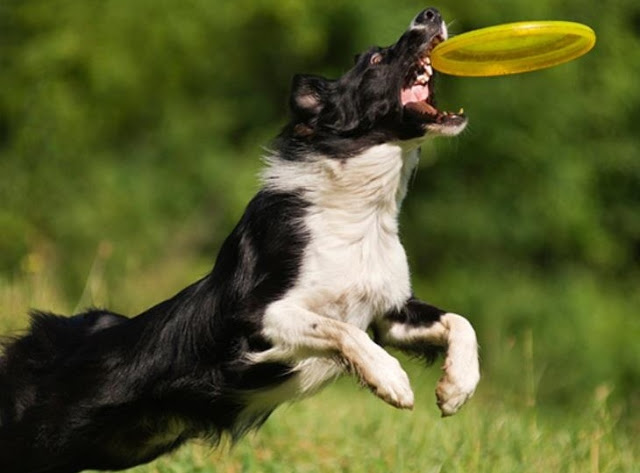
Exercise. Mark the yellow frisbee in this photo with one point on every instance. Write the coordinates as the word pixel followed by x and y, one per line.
pixel 512 48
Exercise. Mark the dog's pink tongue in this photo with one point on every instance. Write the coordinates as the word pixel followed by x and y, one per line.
pixel 416 93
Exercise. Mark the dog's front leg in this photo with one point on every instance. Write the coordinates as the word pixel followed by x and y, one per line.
pixel 420 327
pixel 297 334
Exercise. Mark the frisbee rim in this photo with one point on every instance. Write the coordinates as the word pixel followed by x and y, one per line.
pixel 583 42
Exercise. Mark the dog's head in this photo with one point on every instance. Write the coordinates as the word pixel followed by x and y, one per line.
pixel 387 96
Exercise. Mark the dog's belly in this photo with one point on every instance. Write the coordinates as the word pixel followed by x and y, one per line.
pixel 310 375
pixel 147 438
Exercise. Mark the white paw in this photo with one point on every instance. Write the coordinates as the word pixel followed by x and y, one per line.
pixel 455 388
pixel 387 380
pixel 461 367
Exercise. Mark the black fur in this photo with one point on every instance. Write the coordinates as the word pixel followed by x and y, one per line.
pixel 90 391
pixel 416 313
pixel 361 109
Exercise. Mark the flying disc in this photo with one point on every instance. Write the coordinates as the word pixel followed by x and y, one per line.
pixel 511 48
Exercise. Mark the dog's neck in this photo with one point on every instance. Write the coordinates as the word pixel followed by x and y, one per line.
pixel 372 183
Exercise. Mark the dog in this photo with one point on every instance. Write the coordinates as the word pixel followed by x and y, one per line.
pixel 314 265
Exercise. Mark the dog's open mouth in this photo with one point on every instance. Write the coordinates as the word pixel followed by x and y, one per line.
pixel 417 95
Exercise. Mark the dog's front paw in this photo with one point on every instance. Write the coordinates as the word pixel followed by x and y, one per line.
pixel 394 388
pixel 461 367
pixel 455 388
pixel 387 380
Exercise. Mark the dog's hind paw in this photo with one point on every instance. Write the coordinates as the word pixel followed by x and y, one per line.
pixel 461 367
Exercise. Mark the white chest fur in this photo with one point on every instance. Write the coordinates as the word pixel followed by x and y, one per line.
pixel 354 267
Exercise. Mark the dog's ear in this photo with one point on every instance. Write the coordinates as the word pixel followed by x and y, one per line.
pixel 307 96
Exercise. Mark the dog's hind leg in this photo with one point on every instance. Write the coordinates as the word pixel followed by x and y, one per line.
pixel 421 328
pixel 298 334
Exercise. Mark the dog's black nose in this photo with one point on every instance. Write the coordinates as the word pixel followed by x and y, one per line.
pixel 430 16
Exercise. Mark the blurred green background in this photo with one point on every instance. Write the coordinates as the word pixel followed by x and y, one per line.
pixel 131 133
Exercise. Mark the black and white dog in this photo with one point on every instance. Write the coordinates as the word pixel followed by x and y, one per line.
pixel 314 263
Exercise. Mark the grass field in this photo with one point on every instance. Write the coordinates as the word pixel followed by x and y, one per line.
pixel 346 429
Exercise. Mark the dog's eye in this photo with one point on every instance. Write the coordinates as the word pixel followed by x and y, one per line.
pixel 376 58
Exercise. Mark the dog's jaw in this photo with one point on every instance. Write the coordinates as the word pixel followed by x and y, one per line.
pixel 417 96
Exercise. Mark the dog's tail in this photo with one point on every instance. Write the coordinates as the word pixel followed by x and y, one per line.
pixel 27 359
pixel 29 366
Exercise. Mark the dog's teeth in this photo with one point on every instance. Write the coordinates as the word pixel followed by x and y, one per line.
pixel 427 60
pixel 429 70
pixel 422 79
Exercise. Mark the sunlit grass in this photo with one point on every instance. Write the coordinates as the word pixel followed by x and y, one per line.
pixel 346 429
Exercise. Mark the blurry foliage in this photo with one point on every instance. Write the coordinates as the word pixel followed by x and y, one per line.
pixel 141 122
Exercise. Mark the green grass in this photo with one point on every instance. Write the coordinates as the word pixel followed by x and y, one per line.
pixel 346 429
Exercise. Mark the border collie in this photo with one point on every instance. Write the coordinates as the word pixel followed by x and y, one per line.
pixel 313 266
